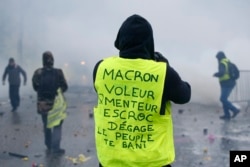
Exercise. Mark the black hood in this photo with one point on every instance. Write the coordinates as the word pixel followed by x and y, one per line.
pixel 220 55
pixel 135 38
pixel 48 60
pixel 11 62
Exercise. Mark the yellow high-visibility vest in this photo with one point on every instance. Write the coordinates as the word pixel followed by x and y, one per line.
pixel 226 76
pixel 129 130
pixel 58 111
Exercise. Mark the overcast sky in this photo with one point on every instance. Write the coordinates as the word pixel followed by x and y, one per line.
pixel 188 32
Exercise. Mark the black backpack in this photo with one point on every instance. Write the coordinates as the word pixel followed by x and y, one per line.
pixel 234 72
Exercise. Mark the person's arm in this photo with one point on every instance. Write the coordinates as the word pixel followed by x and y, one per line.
pixel 62 81
pixel 95 71
pixel 222 70
pixel 36 79
pixel 24 75
pixel 6 71
pixel 176 89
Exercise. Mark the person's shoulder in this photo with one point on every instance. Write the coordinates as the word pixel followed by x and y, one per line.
pixel 38 71
pixel 171 71
pixel 7 67
pixel 98 63
pixel 58 69
pixel 18 66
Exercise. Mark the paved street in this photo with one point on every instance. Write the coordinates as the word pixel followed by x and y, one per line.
pixel 201 138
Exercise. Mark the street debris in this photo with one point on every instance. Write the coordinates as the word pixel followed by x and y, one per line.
pixel 90 114
pixel 205 131
pixel 37 155
pixel 25 159
pixel 205 150
pixel 37 165
pixel 180 111
pixel 211 138
pixel 78 160
pixel 18 155
pixel 207 158
pixel 26 145
pixel 1 113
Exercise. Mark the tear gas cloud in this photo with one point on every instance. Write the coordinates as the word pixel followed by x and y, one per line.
pixel 188 33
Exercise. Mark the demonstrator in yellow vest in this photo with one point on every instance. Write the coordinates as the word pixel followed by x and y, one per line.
pixel 133 117
pixel 50 84
pixel 226 84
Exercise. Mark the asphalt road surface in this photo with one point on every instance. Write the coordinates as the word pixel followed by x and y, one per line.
pixel 201 138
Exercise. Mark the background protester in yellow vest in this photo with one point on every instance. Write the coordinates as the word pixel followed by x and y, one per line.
pixel 13 71
pixel 226 84
pixel 49 83
pixel 133 117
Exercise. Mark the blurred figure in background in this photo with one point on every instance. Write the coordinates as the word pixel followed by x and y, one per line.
pixel 14 71
pixel 133 117
pixel 49 83
pixel 226 84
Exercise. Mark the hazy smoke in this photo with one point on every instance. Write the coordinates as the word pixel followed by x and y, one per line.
pixel 188 34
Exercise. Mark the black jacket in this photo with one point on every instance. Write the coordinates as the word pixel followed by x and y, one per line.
pixel 13 73
pixel 46 88
pixel 135 40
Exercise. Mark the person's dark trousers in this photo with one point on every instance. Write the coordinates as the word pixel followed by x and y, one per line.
pixel 100 165
pixel 14 96
pixel 52 136
pixel 227 105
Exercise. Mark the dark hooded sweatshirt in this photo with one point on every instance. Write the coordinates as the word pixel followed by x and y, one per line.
pixel 13 72
pixel 47 80
pixel 135 40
